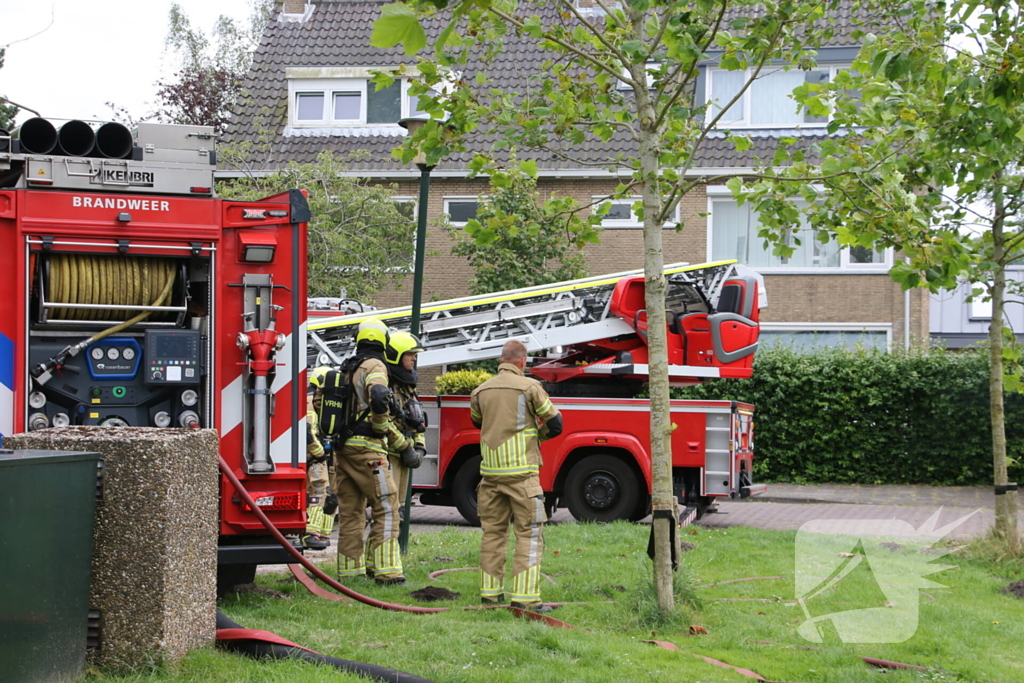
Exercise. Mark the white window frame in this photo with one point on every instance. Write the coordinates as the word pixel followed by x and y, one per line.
pixel 649 67
pixel 845 262
pixel 328 87
pixel 977 309
pixel 595 9
pixel 721 192
pixel 455 198
pixel 633 222
pixel 747 98
pixel 832 327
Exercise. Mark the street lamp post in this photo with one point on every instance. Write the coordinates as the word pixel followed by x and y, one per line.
pixel 413 124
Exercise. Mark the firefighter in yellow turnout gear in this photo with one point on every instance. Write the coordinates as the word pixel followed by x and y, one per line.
pixel 362 471
pixel 406 412
pixel 319 524
pixel 507 409
pixel 401 357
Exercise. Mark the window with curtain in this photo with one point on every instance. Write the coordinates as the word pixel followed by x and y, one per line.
pixel 734 236
pixel 768 101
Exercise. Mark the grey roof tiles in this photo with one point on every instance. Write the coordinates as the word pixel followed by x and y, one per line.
pixel 338 35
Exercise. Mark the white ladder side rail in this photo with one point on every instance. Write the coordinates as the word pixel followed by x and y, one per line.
pixel 505 320
pixel 531 316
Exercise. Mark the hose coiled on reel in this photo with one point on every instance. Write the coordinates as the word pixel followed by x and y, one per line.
pixel 83 278
pixel 107 280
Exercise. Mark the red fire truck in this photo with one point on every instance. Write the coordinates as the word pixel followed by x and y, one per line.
pixel 136 298
pixel 600 467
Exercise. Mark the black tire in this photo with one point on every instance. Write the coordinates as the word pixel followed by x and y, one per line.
pixel 643 508
pixel 464 489
pixel 231 575
pixel 601 488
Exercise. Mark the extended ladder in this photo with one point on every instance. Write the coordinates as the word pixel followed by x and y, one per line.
pixel 543 317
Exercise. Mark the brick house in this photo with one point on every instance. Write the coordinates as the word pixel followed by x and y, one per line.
pixel 308 87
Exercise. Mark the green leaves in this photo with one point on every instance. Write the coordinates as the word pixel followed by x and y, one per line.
pixel 359 238
pixel 398 23
pixel 514 243
pixel 880 417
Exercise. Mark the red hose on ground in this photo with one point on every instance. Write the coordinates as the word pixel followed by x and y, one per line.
pixel 247 499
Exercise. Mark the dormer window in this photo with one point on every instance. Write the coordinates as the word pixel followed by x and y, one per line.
pixel 768 102
pixel 348 100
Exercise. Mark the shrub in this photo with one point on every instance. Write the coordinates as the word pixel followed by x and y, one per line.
pixel 461 382
pixel 869 417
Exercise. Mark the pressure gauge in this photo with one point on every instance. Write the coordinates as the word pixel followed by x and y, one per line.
pixel 128 353
pixel 97 353
pixel 113 353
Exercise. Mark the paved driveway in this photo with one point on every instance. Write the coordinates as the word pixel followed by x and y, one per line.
pixel 788 506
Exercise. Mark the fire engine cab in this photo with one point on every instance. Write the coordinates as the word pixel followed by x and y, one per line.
pixel 134 297
pixel 595 330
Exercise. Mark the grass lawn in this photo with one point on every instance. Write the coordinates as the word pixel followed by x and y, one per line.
pixel 968 632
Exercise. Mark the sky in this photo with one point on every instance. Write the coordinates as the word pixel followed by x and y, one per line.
pixel 95 51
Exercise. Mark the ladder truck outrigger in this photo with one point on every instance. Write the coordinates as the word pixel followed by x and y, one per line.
pixel 596 330
pixel 136 298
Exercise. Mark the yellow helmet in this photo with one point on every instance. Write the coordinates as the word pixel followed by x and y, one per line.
pixel 372 330
pixel 401 343
pixel 316 377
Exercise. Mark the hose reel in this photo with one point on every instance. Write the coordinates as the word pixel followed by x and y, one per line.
pixel 99 288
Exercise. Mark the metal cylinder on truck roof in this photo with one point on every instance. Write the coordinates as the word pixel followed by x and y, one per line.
pixel 113 141
pixel 5 141
pixel 37 136
pixel 75 138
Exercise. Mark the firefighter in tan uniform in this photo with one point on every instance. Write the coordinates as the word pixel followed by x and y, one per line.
pixel 507 409
pixel 407 415
pixel 401 356
pixel 362 472
pixel 318 522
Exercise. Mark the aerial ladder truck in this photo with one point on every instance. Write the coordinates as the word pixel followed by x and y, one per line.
pixel 595 330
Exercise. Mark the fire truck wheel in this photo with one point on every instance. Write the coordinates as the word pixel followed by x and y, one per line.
pixel 601 488
pixel 643 509
pixel 464 489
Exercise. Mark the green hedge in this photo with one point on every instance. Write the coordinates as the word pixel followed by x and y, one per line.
pixel 867 417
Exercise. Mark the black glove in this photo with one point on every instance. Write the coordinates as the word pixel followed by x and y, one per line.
pixel 412 457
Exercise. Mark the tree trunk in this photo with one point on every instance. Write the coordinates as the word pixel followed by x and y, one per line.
pixel 1006 503
pixel 661 419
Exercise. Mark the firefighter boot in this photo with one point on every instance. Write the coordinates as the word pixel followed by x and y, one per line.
pixel 311 539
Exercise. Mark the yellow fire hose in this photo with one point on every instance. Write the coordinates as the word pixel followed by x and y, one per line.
pixel 104 280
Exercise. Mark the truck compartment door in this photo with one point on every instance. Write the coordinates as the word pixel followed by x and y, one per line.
pixel 718 462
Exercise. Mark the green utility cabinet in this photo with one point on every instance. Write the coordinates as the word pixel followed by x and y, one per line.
pixel 47 507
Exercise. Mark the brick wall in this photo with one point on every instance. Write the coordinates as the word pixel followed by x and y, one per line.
pixel 447 276
pixel 854 298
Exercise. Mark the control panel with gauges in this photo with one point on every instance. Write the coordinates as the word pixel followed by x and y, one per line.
pixel 113 358
pixel 173 357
